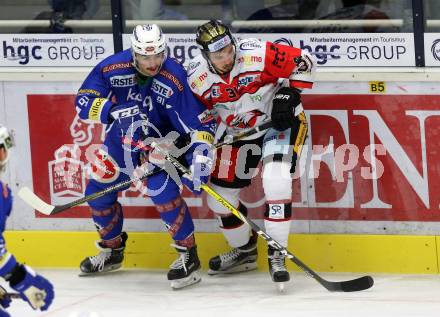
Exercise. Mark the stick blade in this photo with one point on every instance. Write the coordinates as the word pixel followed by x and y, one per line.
pixel 34 201
pixel 356 285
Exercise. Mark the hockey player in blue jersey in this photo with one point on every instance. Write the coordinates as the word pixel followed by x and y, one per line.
pixel 32 287
pixel 141 93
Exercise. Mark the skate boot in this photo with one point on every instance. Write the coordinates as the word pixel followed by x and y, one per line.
pixel 239 259
pixel 277 268
pixel 107 259
pixel 184 270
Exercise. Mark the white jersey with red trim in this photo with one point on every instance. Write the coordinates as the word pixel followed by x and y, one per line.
pixel 242 99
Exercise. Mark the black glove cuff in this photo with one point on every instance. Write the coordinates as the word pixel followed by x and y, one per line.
pixel 283 111
pixel 16 275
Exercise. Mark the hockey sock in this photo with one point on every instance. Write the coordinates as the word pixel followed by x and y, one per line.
pixel 109 222
pixel 175 214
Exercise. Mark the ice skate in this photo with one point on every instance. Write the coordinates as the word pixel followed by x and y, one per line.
pixel 105 261
pixel 239 259
pixel 184 271
pixel 277 268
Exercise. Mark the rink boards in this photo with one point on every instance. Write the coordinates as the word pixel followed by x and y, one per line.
pixel 401 254
pixel 365 191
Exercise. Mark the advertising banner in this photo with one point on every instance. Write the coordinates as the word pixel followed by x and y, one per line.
pixel 54 50
pixel 432 49
pixel 330 49
pixel 351 49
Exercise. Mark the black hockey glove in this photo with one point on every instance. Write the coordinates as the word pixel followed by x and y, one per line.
pixel 283 111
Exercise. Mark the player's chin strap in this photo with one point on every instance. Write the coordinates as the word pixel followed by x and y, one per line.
pixel 38 204
pixel 354 285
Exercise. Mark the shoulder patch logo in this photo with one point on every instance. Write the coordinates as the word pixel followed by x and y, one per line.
pixel 172 78
pixel 199 80
pixel 192 65
pixel 111 67
pixel 250 45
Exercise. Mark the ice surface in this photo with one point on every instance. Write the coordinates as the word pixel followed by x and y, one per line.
pixel 132 293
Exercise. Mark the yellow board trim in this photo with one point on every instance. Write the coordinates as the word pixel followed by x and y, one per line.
pixel 322 252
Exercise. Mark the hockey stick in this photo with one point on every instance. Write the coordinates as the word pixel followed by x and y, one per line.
pixel 37 203
pixel 229 139
pixel 354 285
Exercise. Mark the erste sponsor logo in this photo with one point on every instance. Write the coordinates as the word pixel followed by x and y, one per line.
pixel 161 89
pixel 123 80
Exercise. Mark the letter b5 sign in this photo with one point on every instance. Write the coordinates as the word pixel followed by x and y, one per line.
pixel 377 87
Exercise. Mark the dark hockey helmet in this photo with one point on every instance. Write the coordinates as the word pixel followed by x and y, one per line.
pixel 212 36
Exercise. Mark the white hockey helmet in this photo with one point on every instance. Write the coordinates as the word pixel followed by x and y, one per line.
pixel 148 39
pixel 6 142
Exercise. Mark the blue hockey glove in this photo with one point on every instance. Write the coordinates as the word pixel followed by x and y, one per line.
pixel 33 288
pixel 201 161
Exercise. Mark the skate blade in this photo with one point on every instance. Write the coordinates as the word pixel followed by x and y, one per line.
pixel 193 278
pixel 108 269
pixel 236 269
pixel 280 286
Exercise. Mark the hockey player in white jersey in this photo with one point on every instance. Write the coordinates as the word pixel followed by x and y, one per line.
pixel 243 83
